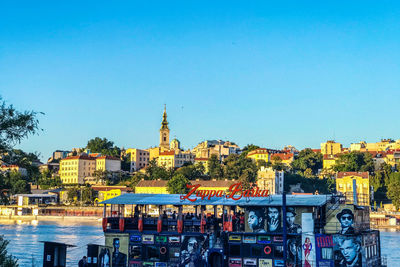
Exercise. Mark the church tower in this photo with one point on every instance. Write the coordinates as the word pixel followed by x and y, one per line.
pixel 164 132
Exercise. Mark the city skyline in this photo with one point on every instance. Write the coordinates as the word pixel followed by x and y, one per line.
pixel 267 74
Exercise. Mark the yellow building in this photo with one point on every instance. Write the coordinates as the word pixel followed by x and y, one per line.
pixel 285 158
pixel 331 148
pixel 166 159
pixel 271 180
pixel 108 163
pixel 107 192
pixel 393 158
pixel 139 158
pixel 160 186
pixel 344 184
pixel 74 169
pixel 328 162
pixel 259 154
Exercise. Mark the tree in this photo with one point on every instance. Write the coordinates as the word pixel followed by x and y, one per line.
pixel 354 161
pixel 24 160
pixel 47 180
pixel 394 188
pixel 237 167
pixel 72 194
pixel 15 125
pixel 309 185
pixel 247 149
pixel 88 195
pixel 262 163
pixel 277 163
pixel 192 172
pixel 177 185
pixel 6 260
pixel 103 146
pixel 307 159
pixel 214 168
pixel 154 171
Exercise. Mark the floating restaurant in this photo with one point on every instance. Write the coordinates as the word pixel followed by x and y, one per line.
pixel 293 230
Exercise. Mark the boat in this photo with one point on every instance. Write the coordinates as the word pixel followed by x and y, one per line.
pixel 276 230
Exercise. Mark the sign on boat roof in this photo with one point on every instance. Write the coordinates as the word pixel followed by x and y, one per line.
pixel 175 199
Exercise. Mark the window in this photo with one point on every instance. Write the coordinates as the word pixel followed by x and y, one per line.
pixel 326 253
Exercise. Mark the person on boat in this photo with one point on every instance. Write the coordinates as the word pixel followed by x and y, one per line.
pixel 274 220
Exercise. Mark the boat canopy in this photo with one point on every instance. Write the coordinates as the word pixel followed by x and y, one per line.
pixel 174 199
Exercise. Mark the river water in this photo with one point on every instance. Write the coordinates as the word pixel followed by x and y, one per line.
pixel 25 239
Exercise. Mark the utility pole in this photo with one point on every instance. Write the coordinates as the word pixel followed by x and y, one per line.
pixel 284 228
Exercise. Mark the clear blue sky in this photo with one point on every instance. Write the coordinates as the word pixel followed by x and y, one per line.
pixel 272 74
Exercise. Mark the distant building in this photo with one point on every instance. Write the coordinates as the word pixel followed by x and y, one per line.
pixel 107 192
pixel 74 169
pixel 344 185
pixel 175 144
pixel 174 159
pixel 54 168
pixel 393 158
pixel 270 179
pixel 222 149
pixel 328 162
pixel 285 158
pixel 58 155
pixel 16 168
pixel 331 148
pixel 139 158
pixel 383 145
pixel 108 163
pixel 263 154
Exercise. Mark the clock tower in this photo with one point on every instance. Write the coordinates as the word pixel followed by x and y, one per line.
pixel 164 131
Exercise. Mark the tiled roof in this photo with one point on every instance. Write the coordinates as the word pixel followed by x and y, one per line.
pixel 360 174
pixel 283 156
pixel 201 159
pixel 167 153
pixel 80 157
pixel 108 157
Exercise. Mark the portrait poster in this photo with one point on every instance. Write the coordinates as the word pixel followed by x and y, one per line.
pixel 265 263
pixel 104 256
pixel 193 250
pixel 340 220
pixel 348 250
pixel 120 248
pixel 293 218
pixel 294 250
pixel 263 219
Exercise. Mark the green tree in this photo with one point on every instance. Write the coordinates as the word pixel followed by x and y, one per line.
pixel 307 159
pixel 214 168
pixel 88 195
pixel 192 172
pixel 154 172
pixel 394 188
pixel 247 149
pixel 48 180
pixel 277 163
pixel 6 260
pixel 15 125
pixel 103 146
pixel 262 163
pixel 309 185
pixel 177 185
pixel 237 167
pixel 25 160
pixel 354 161
pixel 72 194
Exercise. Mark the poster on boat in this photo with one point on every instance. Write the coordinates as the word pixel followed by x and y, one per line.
pixel 104 257
pixel 263 220
pixel 193 250
pixel 348 250
pixel 293 219
pixel 119 244
pixel 308 246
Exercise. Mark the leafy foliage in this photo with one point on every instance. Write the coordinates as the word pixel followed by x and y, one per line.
pixel 214 168
pixel 309 184
pixel 247 149
pixel 237 167
pixel 15 125
pixel 307 159
pixel 47 180
pixel 177 185
pixel 6 260
pixel 394 188
pixel 153 171
pixel 354 161
pixel 103 146
pixel 14 181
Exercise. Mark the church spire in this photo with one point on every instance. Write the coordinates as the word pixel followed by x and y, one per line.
pixel 164 123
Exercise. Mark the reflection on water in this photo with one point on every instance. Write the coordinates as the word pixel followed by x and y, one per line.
pixel 25 237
